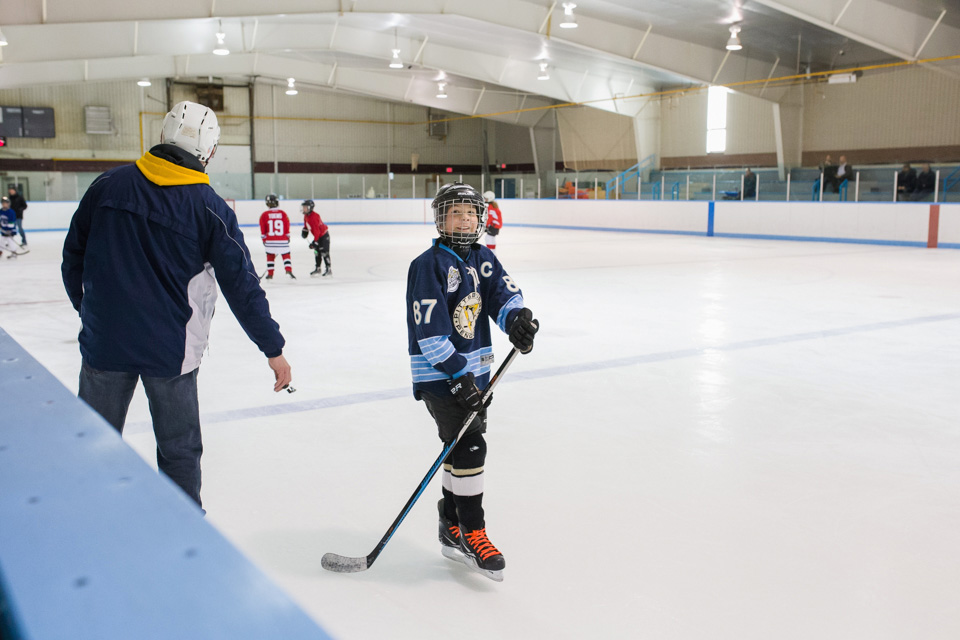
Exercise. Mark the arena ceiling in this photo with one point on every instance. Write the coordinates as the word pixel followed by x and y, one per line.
pixel 488 54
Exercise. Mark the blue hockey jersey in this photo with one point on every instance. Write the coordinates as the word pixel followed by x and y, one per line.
pixel 8 222
pixel 449 304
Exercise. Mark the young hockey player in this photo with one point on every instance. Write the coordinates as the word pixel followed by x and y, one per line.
pixel 8 229
pixel 452 290
pixel 494 220
pixel 321 238
pixel 275 231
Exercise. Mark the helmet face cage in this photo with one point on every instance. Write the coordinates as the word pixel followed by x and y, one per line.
pixel 454 199
pixel 307 203
pixel 272 200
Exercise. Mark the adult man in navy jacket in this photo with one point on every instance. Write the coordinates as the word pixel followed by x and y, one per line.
pixel 139 264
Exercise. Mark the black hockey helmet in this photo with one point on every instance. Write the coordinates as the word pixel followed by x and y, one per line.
pixel 451 195
pixel 307 203
pixel 273 200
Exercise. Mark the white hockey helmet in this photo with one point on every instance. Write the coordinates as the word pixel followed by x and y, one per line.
pixel 489 196
pixel 192 127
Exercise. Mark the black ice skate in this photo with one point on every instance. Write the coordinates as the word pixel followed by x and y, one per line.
pixel 328 272
pixel 269 276
pixel 480 555
pixel 449 536
pixel 316 272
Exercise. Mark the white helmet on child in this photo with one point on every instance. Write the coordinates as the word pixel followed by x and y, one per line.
pixel 489 196
pixel 192 127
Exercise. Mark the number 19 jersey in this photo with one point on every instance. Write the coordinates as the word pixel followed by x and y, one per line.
pixel 275 231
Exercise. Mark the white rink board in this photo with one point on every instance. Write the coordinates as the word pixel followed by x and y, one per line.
pixel 685 217
pixel 893 222
pixel 856 222
pixel 949 224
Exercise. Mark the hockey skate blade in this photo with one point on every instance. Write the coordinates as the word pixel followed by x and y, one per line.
pixel 343 564
pixel 453 554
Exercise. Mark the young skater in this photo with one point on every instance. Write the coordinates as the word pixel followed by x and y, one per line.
pixel 494 220
pixel 453 288
pixel 275 231
pixel 321 238
pixel 8 229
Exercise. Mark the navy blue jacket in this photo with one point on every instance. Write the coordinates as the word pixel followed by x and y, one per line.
pixel 139 263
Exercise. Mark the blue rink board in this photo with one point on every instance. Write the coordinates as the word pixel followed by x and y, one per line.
pixel 96 544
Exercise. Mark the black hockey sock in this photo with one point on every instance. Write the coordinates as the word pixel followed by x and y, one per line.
pixel 470 511
pixel 450 506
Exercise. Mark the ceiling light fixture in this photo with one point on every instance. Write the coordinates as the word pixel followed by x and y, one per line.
pixel 733 44
pixel 143 82
pixel 221 49
pixel 3 40
pixel 544 74
pixel 396 62
pixel 441 90
pixel 569 20
pixel 291 90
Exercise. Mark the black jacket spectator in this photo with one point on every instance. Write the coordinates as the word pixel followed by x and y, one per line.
pixel 906 182
pixel 17 203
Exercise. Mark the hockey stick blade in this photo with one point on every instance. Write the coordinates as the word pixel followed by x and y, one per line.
pixel 343 564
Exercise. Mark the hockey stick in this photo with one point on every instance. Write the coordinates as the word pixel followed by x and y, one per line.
pixel 344 564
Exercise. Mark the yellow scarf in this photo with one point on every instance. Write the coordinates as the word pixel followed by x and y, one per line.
pixel 165 173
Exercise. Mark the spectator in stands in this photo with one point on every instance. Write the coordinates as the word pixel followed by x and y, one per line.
pixel 843 171
pixel 926 183
pixel 906 182
pixel 749 184
pixel 829 171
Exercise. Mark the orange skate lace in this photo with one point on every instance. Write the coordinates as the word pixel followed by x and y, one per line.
pixel 455 532
pixel 481 544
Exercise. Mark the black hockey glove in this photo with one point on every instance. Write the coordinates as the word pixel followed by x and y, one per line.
pixel 313 245
pixel 304 233
pixel 523 329
pixel 465 390
pixel 493 231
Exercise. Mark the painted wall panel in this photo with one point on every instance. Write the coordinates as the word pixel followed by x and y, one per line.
pixel 912 107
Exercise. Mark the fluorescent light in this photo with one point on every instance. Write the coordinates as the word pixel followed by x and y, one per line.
pixel 291 90
pixel 569 20
pixel 143 82
pixel 221 49
pixel 441 90
pixel 842 78
pixel 733 44
pixel 396 62
pixel 544 74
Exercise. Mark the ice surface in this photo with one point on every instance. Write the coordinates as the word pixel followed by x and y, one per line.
pixel 713 438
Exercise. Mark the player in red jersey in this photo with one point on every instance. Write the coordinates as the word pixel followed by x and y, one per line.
pixel 275 231
pixel 321 238
pixel 494 220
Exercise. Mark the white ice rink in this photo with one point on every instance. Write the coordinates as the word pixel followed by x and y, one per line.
pixel 713 438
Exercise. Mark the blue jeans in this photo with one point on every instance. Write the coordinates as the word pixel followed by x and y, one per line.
pixel 176 417
pixel 23 236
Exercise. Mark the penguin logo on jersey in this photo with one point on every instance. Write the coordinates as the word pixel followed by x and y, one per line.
pixel 453 279
pixel 466 314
